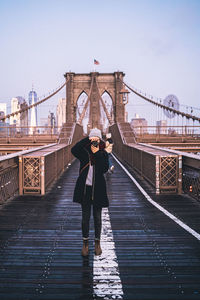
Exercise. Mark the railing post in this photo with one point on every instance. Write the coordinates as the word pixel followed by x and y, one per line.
pixel 141 171
pixel 20 176
pixel 180 174
pixel 131 157
pixel 157 174
pixel 42 166
pixel 63 159
pixel 56 164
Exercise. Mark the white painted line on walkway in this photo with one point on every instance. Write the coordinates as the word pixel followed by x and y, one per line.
pixel 106 279
pixel 166 212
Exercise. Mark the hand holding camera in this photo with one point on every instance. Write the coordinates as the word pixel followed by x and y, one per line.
pixel 94 144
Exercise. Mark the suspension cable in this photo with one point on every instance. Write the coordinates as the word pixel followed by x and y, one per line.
pixel 33 105
pixel 86 103
pixel 104 107
pixel 188 116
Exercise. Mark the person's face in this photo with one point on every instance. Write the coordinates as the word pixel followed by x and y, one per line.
pixel 95 138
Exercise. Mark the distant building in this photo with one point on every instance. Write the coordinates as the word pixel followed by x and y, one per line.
pixel 2 110
pixel 4 130
pixel 15 106
pixel 32 99
pixel 52 122
pixel 43 121
pixel 161 127
pixel 24 115
pixel 43 125
pixel 139 125
pixel 61 112
pixel 2 114
pixel 3 124
pixel 20 119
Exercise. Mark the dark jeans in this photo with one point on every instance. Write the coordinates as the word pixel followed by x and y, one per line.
pixel 86 213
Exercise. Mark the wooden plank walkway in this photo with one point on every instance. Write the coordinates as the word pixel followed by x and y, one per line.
pixel 40 245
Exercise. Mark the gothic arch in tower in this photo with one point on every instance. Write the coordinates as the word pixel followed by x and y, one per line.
pixel 94 84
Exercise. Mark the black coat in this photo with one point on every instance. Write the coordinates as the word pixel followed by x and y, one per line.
pixel 83 152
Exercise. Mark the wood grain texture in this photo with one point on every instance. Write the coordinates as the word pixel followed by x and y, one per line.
pixel 40 244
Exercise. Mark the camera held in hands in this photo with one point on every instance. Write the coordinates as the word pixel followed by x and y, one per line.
pixel 95 143
pixel 110 141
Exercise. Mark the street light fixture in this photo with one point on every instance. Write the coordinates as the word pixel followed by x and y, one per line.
pixel 124 92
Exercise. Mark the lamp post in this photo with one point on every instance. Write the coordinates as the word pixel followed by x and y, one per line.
pixel 124 92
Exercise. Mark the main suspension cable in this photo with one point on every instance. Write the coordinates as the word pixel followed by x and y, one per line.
pixel 188 116
pixel 33 105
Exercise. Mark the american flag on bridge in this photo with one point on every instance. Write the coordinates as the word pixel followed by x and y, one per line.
pixel 96 62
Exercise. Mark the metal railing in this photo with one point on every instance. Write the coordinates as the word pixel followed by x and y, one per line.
pixel 161 168
pixel 169 131
pixel 9 178
pixel 190 172
pixel 21 131
pixel 191 182
pixel 66 133
pixel 32 171
pixel 39 169
pixel 9 174
pixel 28 134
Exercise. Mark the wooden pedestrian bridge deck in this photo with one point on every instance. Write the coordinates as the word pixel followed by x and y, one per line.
pixel 146 253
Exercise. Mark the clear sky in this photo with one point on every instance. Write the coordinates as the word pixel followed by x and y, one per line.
pixel 155 42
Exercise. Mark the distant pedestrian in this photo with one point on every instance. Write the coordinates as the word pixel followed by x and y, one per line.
pixel 109 146
pixel 90 189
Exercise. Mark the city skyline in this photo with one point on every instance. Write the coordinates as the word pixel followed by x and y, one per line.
pixel 157 116
pixel 155 43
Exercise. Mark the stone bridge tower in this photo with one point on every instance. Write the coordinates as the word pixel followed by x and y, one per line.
pixel 94 84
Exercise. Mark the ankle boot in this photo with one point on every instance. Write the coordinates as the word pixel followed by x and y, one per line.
pixel 85 249
pixel 98 250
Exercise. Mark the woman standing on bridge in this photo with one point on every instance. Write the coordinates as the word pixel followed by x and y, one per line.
pixel 90 188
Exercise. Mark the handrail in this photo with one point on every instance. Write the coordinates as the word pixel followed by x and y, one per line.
pixel 32 171
pixel 13 155
pixel 152 164
pixel 9 172
pixel 40 169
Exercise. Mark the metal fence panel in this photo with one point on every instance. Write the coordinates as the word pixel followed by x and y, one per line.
pixel 158 166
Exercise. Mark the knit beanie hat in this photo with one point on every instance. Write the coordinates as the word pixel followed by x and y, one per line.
pixel 95 132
